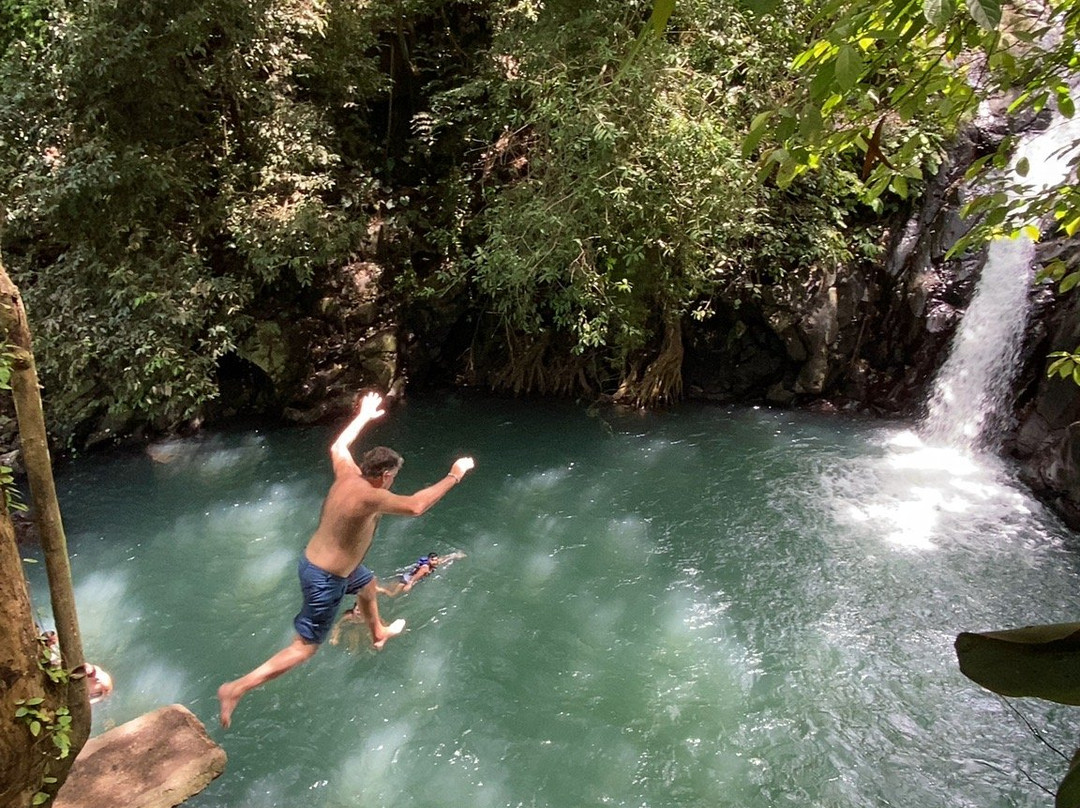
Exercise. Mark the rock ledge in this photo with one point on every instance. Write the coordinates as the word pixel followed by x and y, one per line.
pixel 157 760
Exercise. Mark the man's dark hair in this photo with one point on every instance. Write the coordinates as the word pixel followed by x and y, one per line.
pixel 375 462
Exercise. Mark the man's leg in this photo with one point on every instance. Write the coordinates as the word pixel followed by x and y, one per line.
pixel 367 607
pixel 296 652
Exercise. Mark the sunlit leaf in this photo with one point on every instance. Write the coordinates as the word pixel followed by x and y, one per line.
pixel 939 12
pixel 786 174
pixel 1064 101
pixel 1069 281
pixel 1019 101
pixel 987 13
pixel 1055 368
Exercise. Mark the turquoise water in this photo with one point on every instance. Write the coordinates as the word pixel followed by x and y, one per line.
pixel 707 607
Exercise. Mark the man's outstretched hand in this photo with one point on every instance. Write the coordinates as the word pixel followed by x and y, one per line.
pixel 369 406
pixel 461 465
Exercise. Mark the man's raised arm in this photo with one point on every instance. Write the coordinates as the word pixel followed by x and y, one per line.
pixel 369 411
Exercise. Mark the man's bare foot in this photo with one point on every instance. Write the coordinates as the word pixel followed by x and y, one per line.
pixel 228 697
pixel 387 632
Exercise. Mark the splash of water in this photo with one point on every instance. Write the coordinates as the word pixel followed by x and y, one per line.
pixel 969 406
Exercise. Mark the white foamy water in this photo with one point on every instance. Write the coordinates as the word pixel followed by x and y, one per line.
pixel 969 406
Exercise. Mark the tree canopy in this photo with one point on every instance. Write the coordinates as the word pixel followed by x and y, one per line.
pixel 571 184
pixel 888 80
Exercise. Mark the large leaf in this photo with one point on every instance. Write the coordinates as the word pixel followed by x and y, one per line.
pixel 987 13
pixel 849 67
pixel 939 12
pixel 1039 661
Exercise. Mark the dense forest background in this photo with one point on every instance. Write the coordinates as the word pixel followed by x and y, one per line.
pixel 233 207
pixel 195 194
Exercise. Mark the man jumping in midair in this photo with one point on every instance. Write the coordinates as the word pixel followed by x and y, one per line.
pixel 332 564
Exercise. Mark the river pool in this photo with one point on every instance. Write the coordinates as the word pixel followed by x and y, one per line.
pixel 700 608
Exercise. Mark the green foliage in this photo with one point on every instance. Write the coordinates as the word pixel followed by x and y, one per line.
pixel 55 725
pixel 1065 365
pixel 45 723
pixel 12 497
pixel 884 82
pixel 615 195
pixel 23 21
pixel 167 176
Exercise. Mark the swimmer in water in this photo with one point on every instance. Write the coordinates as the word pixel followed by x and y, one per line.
pixel 405 581
pixel 420 569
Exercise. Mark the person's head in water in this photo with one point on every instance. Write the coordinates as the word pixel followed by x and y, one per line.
pixel 381 464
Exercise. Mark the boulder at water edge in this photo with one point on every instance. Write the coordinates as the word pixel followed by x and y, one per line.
pixel 157 760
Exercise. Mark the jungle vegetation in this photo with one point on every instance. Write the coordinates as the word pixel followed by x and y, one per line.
pixel 566 184
pixel 574 178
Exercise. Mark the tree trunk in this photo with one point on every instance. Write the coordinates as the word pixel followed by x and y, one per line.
pixel 30 759
pixel 20 677
pixel 662 382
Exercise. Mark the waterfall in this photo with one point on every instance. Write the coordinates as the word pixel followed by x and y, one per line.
pixel 970 406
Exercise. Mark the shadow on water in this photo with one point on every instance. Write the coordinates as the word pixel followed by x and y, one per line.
pixel 704 608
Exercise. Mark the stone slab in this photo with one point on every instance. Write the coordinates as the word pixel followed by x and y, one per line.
pixel 157 760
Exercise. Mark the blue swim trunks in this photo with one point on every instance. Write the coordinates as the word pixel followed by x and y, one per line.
pixel 323 593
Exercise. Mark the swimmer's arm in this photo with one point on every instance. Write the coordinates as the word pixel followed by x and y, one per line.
pixel 369 411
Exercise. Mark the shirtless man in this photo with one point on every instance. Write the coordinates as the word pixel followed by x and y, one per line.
pixel 331 566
